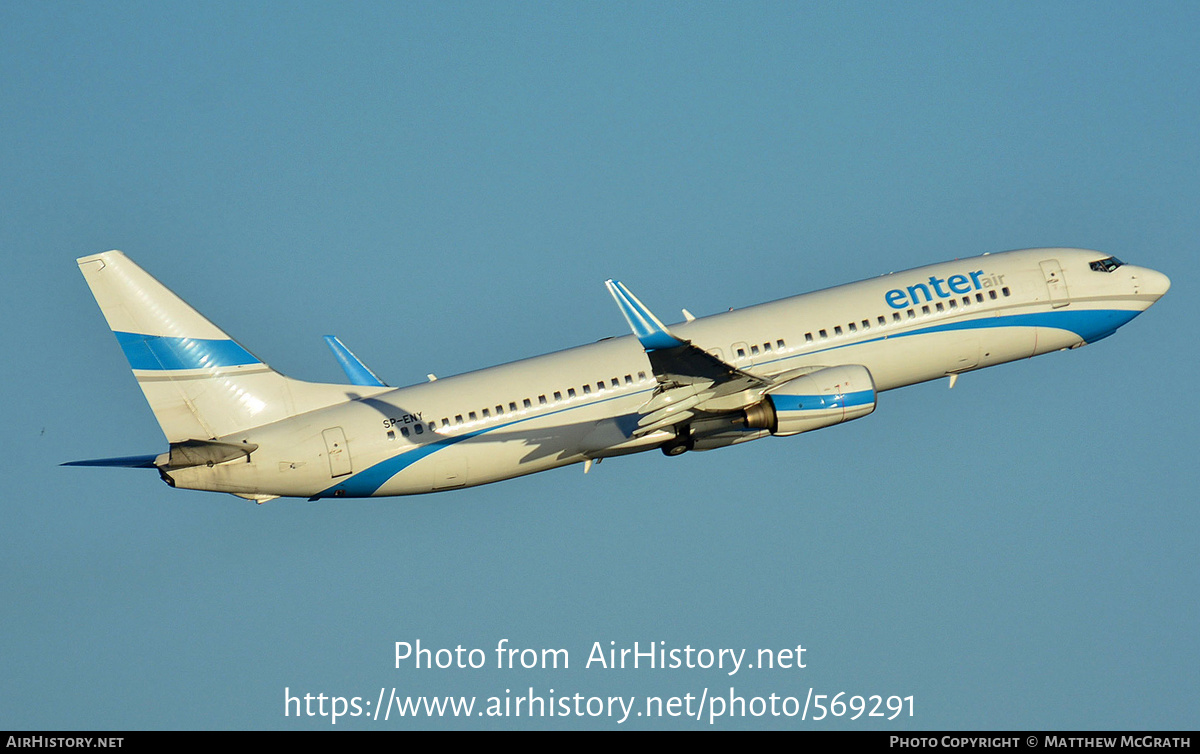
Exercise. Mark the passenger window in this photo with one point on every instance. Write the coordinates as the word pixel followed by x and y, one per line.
pixel 911 314
pixel 471 415
pixel 557 396
pixel 541 400
pixel 487 414
pixel 823 334
pixel 570 392
pixel 419 429
pixel 587 389
pixel 615 382
pixel 741 353
pixel 979 297
pixel 641 376
pixel 629 379
pixel 528 403
pixel 895 316
pixel 445 422
pixel 925 309
pixel 512 407
pixel 853 327
pixel 837 330
pixel 766 347
pixel 500 409
pixel 882 321
pixel 404 431
pixel 866 323
pixel 458 419
pixel 600 386
pixel 1005 291
pixel 992 294
pixel 753 350
pixel 779 344
pixel 808 337
pixel 940 308
pixel 953 304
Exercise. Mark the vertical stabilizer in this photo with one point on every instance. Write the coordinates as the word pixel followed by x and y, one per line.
pixel 199 382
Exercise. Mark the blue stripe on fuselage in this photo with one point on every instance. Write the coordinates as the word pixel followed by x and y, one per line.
pixel 1089 324
pixel 366 482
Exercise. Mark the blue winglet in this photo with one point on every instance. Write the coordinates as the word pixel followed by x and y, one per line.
pixel 652 333
pixel 354 369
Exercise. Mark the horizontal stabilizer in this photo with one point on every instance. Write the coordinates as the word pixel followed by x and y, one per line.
pixel 181 455
pixel 357 371
pixel 125 462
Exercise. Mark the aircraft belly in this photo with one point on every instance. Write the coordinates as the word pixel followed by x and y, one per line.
pixel 1001 344
pixel 895 362
pixel 1053 339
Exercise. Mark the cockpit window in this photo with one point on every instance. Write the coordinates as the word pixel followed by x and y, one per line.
pixel 1107 265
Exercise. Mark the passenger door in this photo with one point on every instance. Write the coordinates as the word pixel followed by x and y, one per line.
pixel 339 452
pixel 1056 283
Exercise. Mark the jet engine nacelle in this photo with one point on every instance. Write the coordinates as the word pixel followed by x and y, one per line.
pixel 818 399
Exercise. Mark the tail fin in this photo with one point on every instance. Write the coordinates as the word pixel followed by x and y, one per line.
pixel 199 382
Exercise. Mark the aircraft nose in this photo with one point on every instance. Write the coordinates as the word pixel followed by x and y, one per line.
pixel 1153 282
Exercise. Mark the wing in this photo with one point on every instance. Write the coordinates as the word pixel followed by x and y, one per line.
pixel 690 380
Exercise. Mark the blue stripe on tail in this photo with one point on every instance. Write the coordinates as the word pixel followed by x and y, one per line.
pixel 161 352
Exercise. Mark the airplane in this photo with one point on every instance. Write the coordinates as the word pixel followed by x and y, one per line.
pixel 781 368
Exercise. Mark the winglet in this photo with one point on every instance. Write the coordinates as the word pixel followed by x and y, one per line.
pixel 652 333
pixel 354 369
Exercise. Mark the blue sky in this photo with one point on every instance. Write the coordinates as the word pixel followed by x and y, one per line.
pixel 446 187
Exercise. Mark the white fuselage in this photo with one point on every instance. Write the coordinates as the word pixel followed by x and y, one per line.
pixel 575 405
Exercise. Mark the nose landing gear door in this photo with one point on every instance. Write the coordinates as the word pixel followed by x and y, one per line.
pixel 1055 283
